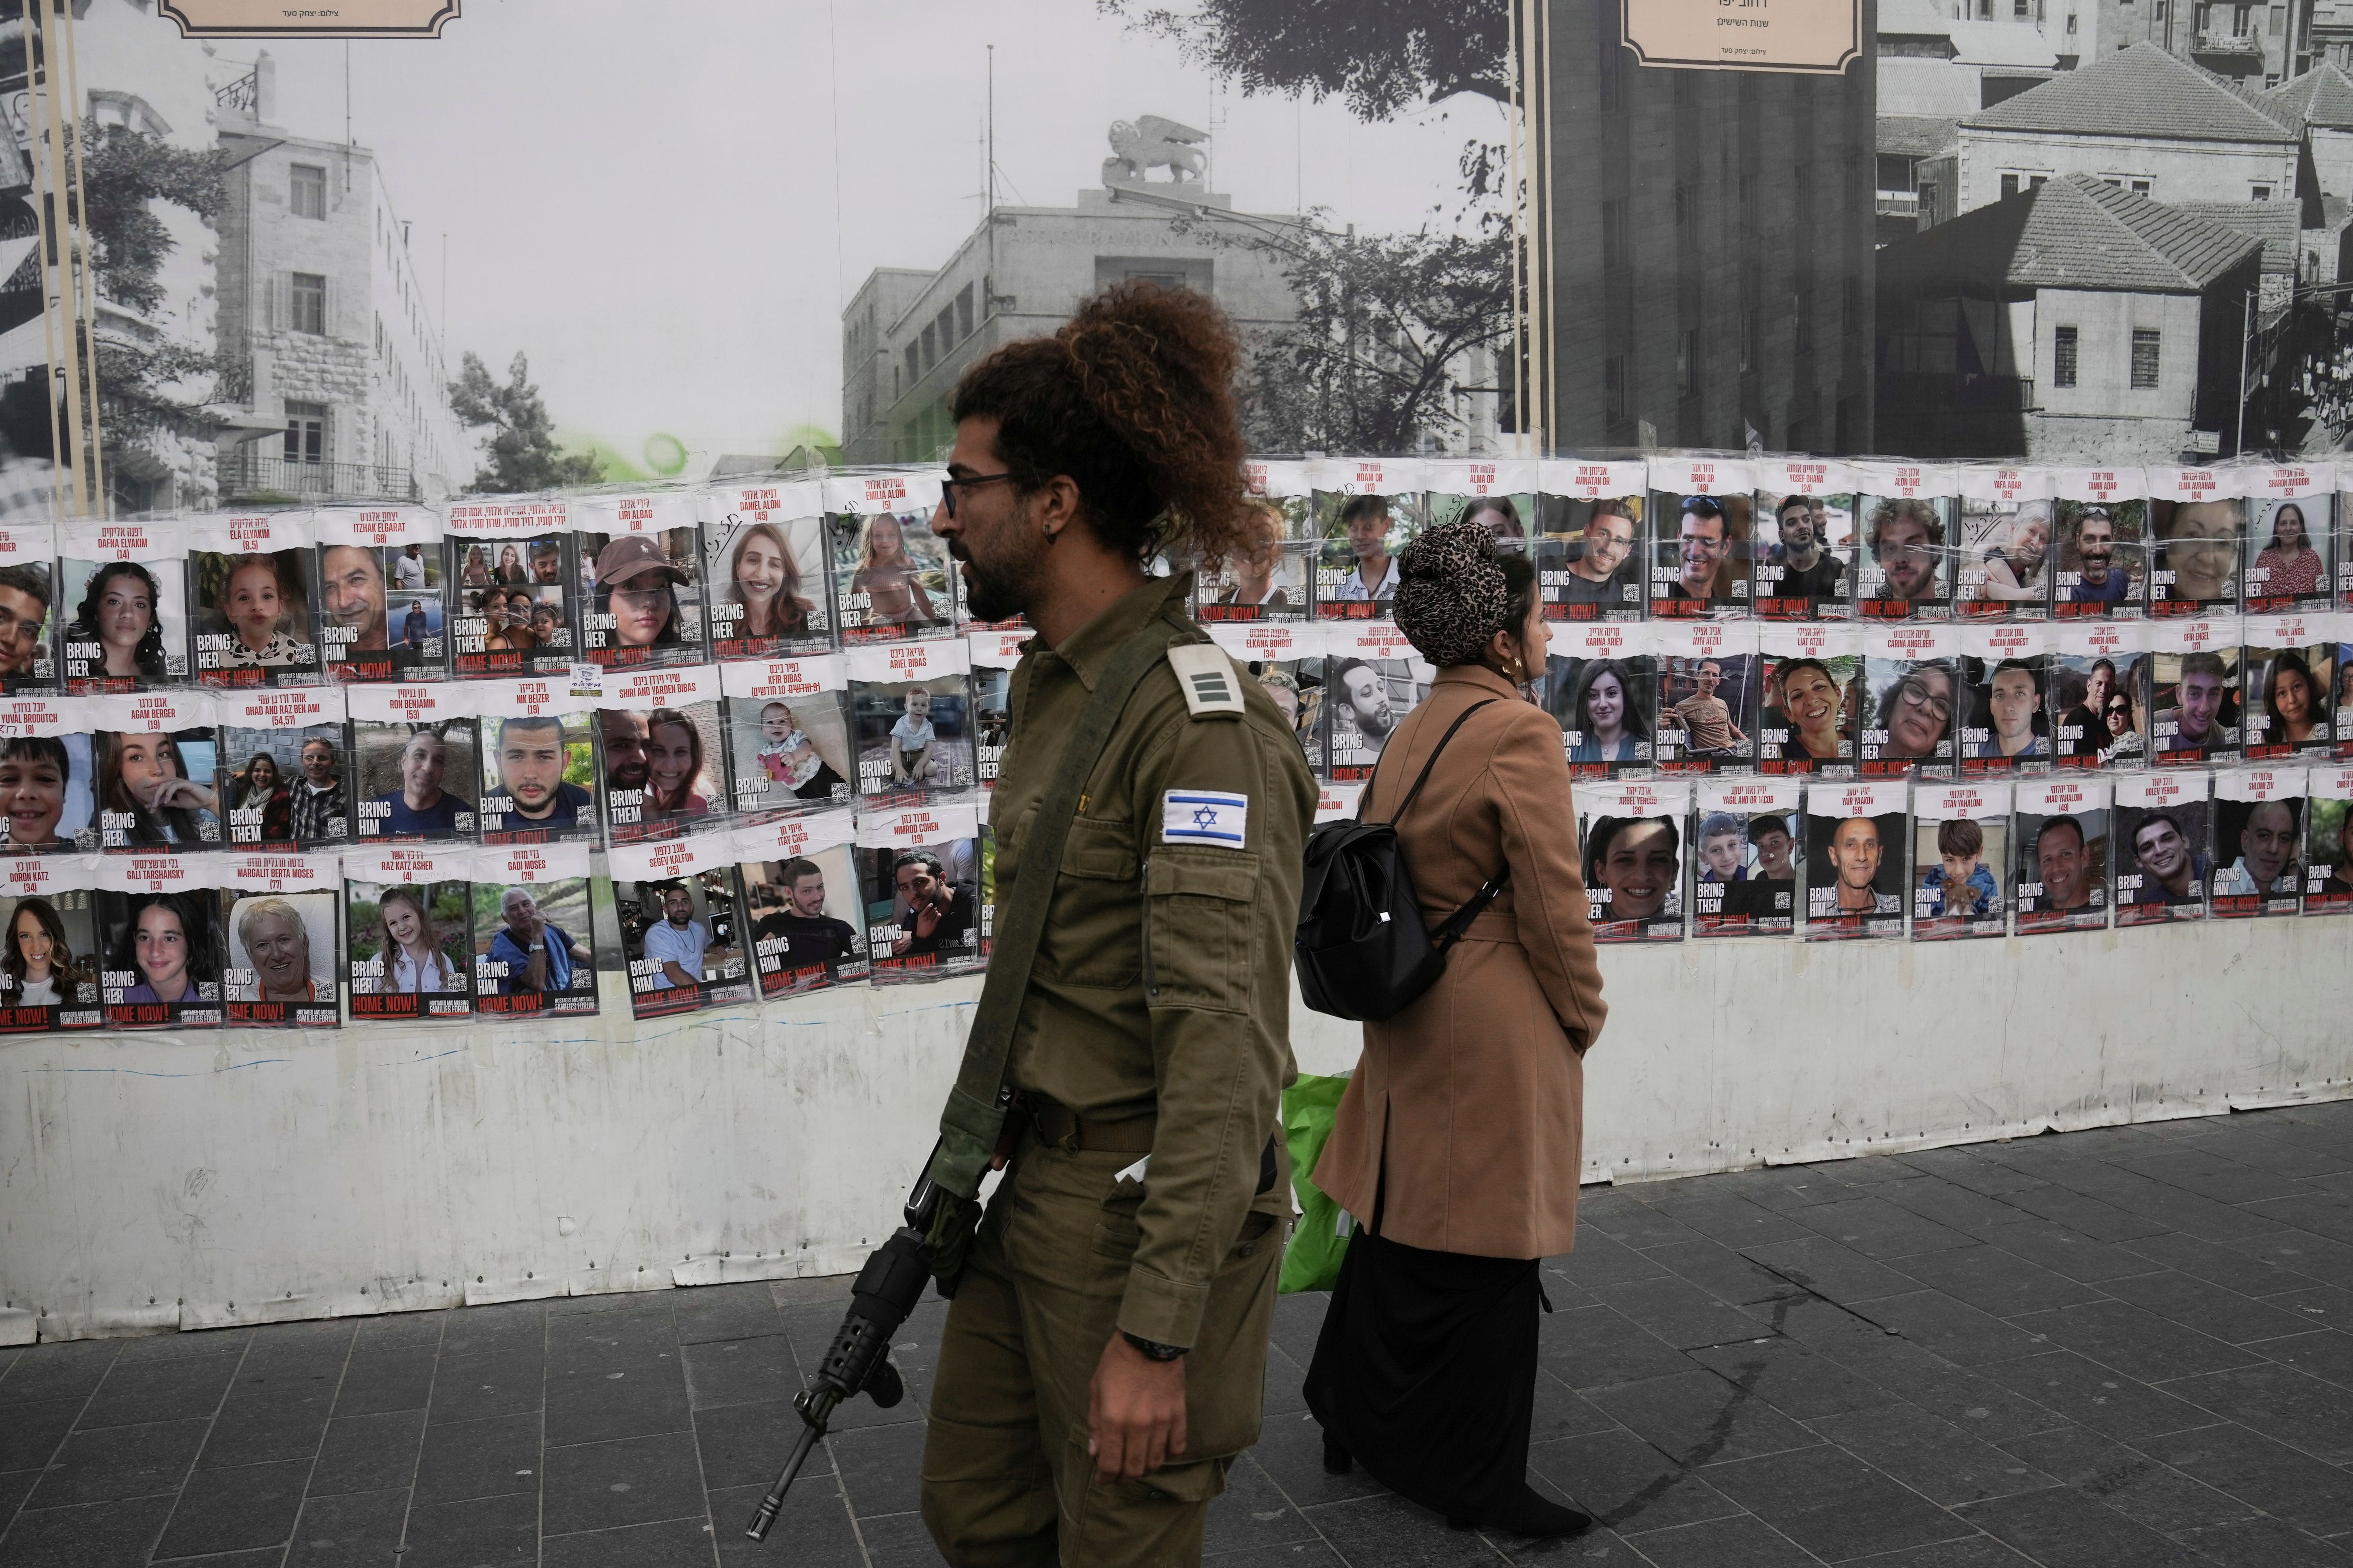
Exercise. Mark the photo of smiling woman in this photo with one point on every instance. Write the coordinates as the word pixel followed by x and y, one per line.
pixel 2291 563
pixel 127 629
pixel 155 790
pixel 163 963
pixel 768 603
pixel 45 802
pixel 282 956
pixel 49 964
pixel 2194 565
pixel 1633 839
pixel 1910 688
pixel 1807 723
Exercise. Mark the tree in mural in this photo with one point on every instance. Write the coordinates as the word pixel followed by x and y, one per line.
pixel 149 382
pixel 521 454
pixel 1387 324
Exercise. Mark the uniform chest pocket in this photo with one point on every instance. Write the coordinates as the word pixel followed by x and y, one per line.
pixel 1197 953
pixel 1094 935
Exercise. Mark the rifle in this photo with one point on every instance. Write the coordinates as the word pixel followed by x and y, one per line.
pixel 858 1360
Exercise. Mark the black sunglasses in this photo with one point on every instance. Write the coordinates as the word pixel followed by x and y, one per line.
pixel 948 486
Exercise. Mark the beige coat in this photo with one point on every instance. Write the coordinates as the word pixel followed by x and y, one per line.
pixel 1474 1096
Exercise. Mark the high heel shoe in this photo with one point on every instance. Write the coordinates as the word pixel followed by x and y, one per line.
pixel 1336 1458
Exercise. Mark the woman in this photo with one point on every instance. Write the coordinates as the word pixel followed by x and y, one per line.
pixel 410 946
pixel 1498 516
pixel 34 771
pixel 278 950
pixel 674 765
pixel 886 576
pixel 2199 543
pixel 253 601
pixel 2291 699
pixel 39 961
pixel 477 571
pixel 1457 1142
pixel 767 582
pixel 2124 741
pixel 144 788
pixel 511 568
pixel 1810 702
pixel 1918 711
pixel 1608 721
pixel 117 613
pixel 1253 568
pixel 2014 570
pixel 164 945
pixel 2288 566
pixel 261 800
pixel 510 616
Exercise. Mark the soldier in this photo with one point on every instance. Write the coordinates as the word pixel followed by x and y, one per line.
pixel 1104 1360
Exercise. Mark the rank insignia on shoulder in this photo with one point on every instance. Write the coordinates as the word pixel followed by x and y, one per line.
pixel 1207 679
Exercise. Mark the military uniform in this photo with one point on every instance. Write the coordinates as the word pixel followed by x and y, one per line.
pixel 1155 1023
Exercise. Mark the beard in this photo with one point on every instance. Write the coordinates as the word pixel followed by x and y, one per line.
pixel 1000 580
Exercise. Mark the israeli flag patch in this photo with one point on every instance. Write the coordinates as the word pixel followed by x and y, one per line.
pixel 1203 817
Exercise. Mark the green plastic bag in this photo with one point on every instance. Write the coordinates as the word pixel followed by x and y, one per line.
pixel 1312 1262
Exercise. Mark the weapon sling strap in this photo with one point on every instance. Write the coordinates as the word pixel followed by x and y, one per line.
pixel 975 1111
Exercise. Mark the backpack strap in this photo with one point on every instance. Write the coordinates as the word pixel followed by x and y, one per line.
pixel 1461 719
pixel 974 1113
pixel 1455 924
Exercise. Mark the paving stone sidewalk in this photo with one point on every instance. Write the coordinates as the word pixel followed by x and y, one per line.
pixel 2109 1348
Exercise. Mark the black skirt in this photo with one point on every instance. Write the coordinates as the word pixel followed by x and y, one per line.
pixel 1425 1372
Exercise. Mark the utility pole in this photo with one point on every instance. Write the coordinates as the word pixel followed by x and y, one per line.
pixel 988 279
pixel 2246 337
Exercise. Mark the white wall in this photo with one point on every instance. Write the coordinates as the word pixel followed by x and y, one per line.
pixel 156 1181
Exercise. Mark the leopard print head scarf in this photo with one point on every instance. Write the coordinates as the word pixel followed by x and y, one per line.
pixel 1450 597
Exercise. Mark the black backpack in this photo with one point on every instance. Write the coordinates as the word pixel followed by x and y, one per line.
pixel 1362 951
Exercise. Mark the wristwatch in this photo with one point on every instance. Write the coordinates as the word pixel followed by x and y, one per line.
pixel 1153 1350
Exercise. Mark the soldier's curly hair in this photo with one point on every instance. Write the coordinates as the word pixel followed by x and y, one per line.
pixel 1133 399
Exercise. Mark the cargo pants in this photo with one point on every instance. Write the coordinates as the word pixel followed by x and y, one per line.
pixel 1008 1480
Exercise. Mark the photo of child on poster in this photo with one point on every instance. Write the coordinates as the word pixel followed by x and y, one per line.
pixel 2291 666
pixel 516 591
pixel 1960 847
pixel 788 753
pixel 891 578
pixel 48 781
pixel 254 624
pixel 409 917
pixel 1364 515
pixel 1744 882
pixel 160 958
pixel 1632 835
pixel 2164 848
pixel 1856 870
pixel 913 735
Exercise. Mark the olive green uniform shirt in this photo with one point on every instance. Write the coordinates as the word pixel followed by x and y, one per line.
pixel 1162 982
